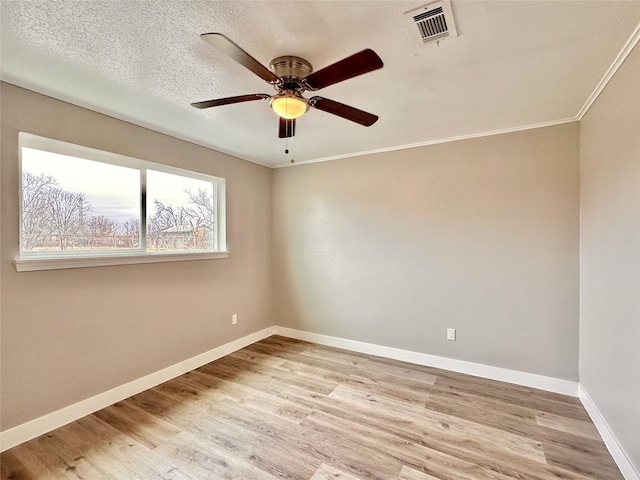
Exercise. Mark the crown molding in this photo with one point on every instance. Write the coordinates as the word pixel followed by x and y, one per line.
pixel 435 142
pixel 617 63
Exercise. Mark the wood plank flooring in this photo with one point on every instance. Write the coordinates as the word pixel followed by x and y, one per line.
pixel 286 409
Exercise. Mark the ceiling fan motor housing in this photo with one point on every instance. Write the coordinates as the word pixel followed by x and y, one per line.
pixel 291 71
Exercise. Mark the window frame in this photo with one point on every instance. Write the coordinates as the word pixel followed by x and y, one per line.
pixel 30 261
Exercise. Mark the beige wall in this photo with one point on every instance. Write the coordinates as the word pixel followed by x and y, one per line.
pixel 70 334
pixel 610 255
pixel 480 235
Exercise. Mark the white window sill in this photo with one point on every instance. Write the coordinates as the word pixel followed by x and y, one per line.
pixel 33 264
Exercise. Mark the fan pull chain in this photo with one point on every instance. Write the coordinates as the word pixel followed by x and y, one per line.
pixel 292 141
pixel 286 136
pixel 289 129
pixel 286 129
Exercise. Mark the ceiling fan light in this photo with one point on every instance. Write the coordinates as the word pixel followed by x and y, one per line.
pixel 289 106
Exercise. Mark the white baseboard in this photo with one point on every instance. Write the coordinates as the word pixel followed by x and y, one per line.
pixel 46 423
pixel 27 431
pixel 627 469
pixel 541 382
pixel 557 385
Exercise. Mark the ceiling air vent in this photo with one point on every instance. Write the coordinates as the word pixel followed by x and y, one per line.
pixel 432 22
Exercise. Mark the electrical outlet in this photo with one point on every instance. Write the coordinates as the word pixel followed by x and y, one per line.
pixel 451 333
pixel 234 319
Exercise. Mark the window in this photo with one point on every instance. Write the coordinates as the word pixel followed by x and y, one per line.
pixel 86 207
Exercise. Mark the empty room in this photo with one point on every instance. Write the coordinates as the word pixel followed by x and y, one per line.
pixel 312 240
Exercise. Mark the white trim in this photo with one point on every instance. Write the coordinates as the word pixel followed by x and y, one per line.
pixel 433 142
pixel 550 384
pixel 627 469
pixel 46 423
pixel 619 60
pixel 33 264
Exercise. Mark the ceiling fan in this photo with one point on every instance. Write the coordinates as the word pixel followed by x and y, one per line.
pixel 291 76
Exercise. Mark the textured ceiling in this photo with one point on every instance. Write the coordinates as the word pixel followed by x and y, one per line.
pixel 514 64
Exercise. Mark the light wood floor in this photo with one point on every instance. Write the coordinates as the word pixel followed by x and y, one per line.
pixel 285 409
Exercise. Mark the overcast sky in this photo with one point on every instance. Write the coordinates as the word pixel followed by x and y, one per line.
pixel 112 190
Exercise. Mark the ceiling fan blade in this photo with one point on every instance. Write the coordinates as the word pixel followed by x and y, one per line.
pixel 287 127
pixel 358 64
pixel 233 51
pixel 229 100
pixel 344 111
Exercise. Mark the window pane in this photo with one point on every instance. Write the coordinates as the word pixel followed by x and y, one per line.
pixel 74 205
pixel 180 213
pixel 84 207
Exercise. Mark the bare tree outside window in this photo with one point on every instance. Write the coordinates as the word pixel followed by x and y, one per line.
pixel 182 228
pixel 71 205
pixel 36 193
pixel 182 218
pixel 57 219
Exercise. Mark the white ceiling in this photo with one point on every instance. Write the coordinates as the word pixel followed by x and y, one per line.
pixel 515 64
